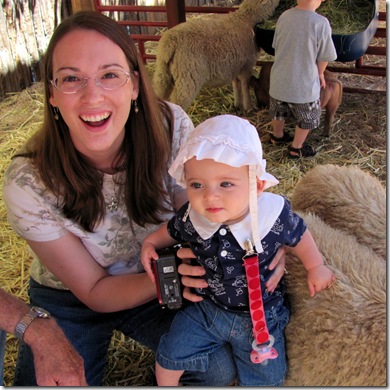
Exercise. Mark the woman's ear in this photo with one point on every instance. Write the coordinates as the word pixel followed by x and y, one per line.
pixel 260 186
pixel 135 81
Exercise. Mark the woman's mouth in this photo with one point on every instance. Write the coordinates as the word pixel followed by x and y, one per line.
pixel 95 120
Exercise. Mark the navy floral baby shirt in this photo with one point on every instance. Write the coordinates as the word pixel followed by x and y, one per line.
pixel 221 256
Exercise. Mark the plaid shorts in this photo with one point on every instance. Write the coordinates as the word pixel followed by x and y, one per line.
pixel 308 115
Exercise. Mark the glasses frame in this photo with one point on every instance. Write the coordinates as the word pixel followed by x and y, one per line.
pixel 97 82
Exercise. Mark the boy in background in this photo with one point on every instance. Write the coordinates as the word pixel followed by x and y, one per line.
pixel 303 47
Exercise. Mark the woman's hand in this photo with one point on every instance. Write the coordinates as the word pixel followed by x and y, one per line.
pixel 278 263
pixel 190 275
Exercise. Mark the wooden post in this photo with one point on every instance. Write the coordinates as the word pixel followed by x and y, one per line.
pixel 175 12
pixel 82 5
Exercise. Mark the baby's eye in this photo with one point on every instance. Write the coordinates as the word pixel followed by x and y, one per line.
pixel 226 184
pixel 196 185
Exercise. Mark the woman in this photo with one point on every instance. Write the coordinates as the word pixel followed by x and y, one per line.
pixel 90 185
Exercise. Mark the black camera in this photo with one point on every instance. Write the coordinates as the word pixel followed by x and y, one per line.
pixel 169 292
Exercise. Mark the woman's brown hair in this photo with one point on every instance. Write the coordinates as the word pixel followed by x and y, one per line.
pixel 143 156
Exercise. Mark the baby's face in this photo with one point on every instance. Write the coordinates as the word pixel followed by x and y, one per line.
pixel 217 191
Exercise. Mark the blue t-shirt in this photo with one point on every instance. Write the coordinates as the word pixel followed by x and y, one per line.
pixel 221 256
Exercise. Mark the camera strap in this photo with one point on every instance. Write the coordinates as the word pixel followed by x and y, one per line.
pixel 262 349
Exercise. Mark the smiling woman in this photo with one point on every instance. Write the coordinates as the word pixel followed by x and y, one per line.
pixel 94 146
pixel 95 112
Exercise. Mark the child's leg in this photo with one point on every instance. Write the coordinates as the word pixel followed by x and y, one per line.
pixel 300 136
pixel 167 377
pixel 308 118
pixel 277 128
pixel 279 111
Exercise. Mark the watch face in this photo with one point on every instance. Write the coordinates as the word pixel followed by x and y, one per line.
pixel 42 313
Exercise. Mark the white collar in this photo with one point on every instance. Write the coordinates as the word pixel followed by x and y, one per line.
pixel 269 208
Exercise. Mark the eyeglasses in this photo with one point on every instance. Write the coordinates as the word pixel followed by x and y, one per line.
pixel 107 79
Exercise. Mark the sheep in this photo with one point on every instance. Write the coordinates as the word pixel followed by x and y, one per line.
pixel 330 97
pixel 210 52
pixel 338 338
pixel 346 198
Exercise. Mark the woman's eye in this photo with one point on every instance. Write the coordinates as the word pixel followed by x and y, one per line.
pixel 71 79
pixel 109 75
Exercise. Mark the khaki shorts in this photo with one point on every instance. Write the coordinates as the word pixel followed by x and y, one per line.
pixel 307 115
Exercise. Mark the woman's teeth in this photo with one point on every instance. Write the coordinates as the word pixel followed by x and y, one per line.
pixel 95 118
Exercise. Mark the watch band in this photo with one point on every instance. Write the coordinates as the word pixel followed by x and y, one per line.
pixel 35 312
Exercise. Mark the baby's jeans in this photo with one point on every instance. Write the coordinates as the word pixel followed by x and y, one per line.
pixel 202 328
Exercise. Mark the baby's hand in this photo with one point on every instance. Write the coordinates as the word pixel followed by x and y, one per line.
pixel 148 255
pixel 319 278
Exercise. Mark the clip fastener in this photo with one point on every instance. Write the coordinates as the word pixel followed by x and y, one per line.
pixel 248 247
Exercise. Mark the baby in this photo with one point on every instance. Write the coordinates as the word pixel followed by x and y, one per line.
pixel 222 168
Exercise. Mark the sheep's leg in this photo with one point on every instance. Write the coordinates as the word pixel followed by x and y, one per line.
pixel 237 93
pixel 245 97
pixel 247 101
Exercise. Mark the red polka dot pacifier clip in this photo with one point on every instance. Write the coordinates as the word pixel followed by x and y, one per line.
pixel 262 349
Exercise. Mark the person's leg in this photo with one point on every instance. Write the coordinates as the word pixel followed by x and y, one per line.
pixel 300 136
pixel 152 322
pixel 308 117
pixel 272 373
pixel 3 339
pixel 88 331
pixel 279 111
pixel 277 128
pixel 166 377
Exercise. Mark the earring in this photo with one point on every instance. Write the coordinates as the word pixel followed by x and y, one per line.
pixel 135 105
pixel 56 112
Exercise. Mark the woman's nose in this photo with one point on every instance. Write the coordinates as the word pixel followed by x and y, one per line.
pixel 92 91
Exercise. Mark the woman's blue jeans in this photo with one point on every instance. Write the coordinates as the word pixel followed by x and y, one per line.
pixel 3 341
pixel 90 333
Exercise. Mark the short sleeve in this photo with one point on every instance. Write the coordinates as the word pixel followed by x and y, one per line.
pixel 182 128
pixel 294 225
pixel 31 211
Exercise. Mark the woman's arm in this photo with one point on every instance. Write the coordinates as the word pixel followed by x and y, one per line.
pixel 71 263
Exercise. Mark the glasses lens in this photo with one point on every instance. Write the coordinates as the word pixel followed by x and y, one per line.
pixel 107 79
pixel 112 79
pixel 69 83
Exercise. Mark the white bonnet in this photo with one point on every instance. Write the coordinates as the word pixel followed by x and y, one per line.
pixel 227 139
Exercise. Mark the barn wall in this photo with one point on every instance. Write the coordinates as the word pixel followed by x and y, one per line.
pixel 25 30
pixel 27 25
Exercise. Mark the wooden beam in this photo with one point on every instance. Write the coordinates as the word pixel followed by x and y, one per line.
pixel 82 5
pixel 175 12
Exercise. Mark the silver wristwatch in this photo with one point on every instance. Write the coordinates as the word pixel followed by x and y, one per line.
pixel 35 312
